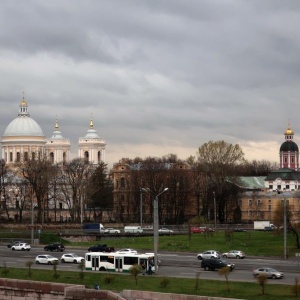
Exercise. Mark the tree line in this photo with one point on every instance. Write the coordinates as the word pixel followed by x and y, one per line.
pixel 210 175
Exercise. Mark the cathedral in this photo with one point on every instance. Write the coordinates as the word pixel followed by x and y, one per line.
pixel 24 139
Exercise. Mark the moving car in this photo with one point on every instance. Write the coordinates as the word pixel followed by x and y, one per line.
pixel 215 264
pixel 71 258
pixel 21 247
pixel 165 231
pixel 209 254
pixel 234 254
pixel 55 247
pixel 205 229
pixel 127 250
pixel 14 243
pixel 112 230
pixel 195 229
pixel 46 259
pixel 269 272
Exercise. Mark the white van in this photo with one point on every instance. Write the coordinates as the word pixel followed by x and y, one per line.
pixel 133 229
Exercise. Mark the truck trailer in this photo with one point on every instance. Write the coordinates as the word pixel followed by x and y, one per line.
pixel 263 225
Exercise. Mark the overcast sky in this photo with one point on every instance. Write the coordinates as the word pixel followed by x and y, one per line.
pixel 159 76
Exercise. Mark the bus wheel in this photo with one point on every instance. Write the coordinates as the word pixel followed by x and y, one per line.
pixel 102 269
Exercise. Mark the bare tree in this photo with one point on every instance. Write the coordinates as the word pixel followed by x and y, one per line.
pixel 219 160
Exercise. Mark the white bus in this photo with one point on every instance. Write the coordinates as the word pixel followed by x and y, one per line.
pixel 115 262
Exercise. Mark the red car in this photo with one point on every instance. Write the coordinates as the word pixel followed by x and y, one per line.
pixel 195 230
pixel 201 229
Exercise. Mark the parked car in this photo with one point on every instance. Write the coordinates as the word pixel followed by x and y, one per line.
pixel 101 248
pixel 55 247
pixel 209 254
pixel 215 264
pixel 21 247
pixel 46 259
pixel 14 243
pixel 195 229
pixel 112 230
pixel 269 272
pixel 71 258
pixel 234 254
pixel 165 231
pixel 206 229
pixel 127 250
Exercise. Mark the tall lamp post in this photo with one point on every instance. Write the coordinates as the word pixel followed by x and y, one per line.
pixel 155 225
pixel 215 211
pixel 284 224
pixel 141 207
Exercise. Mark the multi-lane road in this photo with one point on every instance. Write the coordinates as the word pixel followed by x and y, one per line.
pixel 183 265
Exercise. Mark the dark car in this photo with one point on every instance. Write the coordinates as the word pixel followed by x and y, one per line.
pixel 55 247
pixel 101 248
pixel 215 264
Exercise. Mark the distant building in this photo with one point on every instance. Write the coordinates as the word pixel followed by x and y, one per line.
pixel 24 139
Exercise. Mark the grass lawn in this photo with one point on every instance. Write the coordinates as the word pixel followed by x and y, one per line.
pixel 119 282
pixel 253 243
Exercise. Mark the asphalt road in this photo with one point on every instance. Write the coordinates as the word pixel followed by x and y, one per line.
pixel 183 265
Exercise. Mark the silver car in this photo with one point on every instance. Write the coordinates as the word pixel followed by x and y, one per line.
pixel 234 254
pixel 46 259
pixel 209 254
pixel 269 272
pixel 71 258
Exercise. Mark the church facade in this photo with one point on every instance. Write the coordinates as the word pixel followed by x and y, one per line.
pixel 24 139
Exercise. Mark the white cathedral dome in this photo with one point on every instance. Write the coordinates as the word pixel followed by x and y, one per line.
pixel 23 125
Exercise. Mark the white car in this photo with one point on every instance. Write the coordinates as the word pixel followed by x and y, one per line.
pixel 209 254
pixel 46 259
pixel 71 258
pixel 165 231
pixel 112 230
pixel 21 247
pixel 269 272
pixel 127 251
pixel 234 254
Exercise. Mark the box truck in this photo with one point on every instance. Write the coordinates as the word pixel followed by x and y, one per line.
pixel 93 228
pixel 263 225
pixel 133 229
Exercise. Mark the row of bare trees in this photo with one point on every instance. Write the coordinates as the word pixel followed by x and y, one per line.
pixel 76 185
pixel 49 187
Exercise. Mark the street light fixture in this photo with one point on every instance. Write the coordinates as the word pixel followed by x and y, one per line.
pixel 155 224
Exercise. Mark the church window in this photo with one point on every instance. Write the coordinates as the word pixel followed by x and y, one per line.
pixel 99 156
pixel 122 182
pixel 64 158
pixel 10 156
pixel 86 156
pixel 18 156
pixel 285 159
pixel 33 155
pixel 292 159
pixel 25 156
pixel 52 157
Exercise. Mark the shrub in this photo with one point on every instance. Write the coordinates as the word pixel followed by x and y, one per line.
pixel 164 282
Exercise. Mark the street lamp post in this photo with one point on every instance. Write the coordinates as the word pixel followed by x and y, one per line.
pixel 141 207
pixel 32 220
pixel 155 225
pixel 215 211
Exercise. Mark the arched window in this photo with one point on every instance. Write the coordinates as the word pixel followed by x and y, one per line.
pixel 86 156
pixel 18 156
pixel 52 157
pixel 99 156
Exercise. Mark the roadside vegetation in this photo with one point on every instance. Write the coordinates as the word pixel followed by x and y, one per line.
pixel 116 282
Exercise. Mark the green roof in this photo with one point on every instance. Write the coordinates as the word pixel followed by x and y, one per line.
pixel 251 182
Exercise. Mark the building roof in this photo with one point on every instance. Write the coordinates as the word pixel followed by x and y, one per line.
pixel 250 182
pixel 289 146
pixel 284 174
